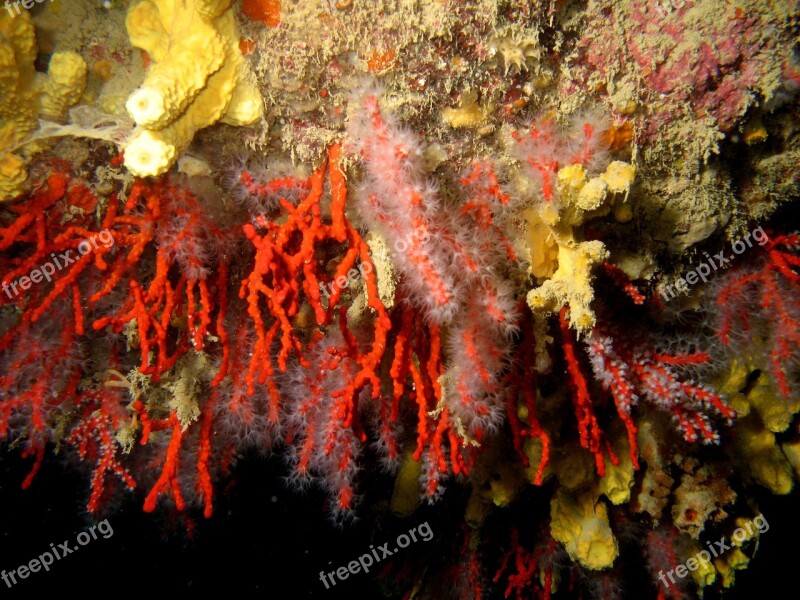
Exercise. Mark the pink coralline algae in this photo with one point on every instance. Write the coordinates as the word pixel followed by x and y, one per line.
pixel 700 58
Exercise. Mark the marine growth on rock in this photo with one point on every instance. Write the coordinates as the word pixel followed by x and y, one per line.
pixel 518 280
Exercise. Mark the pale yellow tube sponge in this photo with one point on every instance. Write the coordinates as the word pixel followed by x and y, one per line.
pixel 198 78
pixel 25 95
pixel 761 412
pixel 775 412
pixel 571 283
pixel 791 450
pixel 580 523
pixel 66 82
pixel 18 98
pixel 13 175
pixel 735 559
pixel 617 483
pixel 762 459
pixel 705 574
pixel 565 263
pixel 542 246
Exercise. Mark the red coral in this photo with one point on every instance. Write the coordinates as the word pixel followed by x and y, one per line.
pixel 286 260
pixel 67 256
pixel 451 264
pixel 416 373
pixel 523 380
pixel 324 414
pixel 591 436
pixel 400 203
pixel 187 240
pixel 620 278
pixel 168 479
pixel 171 218
pixel 40 376
pixel 317 412
pixel 94 438
pixel 764 303
pixel 543 148
pixel 632 372
pixel 661 557
pixel 527 569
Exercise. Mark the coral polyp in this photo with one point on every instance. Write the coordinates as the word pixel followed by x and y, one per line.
pixel 518 279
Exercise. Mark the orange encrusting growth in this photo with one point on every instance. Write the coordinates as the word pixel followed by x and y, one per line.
pixel 618 137
pixel 266 11
pixel 380 62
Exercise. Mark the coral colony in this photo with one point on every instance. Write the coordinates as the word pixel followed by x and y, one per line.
pixel 434 240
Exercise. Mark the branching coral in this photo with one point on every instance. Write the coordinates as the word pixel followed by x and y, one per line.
pixel 430 294
pixel 772 288
pixel 452 263
pixel 72 257
pixel 629 373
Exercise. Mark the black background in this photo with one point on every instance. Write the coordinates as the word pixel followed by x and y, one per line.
pixel 263 540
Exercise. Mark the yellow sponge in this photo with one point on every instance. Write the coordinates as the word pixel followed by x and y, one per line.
pixel 18 98
pixel 580 522
pixel 564 262
pixel 198 78
pixel 24 95
pixel 66 82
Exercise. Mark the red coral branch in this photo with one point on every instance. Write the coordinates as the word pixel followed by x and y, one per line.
pixel 171 216
pixel 631 372
pixel 591 436
pixel 93 437
pixel 621 279
pixel 768 295
pixel 522 575
pixel 168 480
pixel 523 379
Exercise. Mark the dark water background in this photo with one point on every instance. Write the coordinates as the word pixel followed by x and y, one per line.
pixel 261 547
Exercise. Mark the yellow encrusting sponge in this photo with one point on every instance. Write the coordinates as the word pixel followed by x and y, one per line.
pixel 26 95
pixel 66 82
